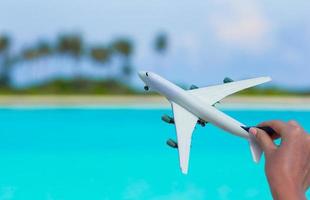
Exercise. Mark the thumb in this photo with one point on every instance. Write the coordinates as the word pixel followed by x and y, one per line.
pixel 265 142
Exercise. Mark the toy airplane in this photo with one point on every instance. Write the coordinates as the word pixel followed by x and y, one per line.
pixel 197 106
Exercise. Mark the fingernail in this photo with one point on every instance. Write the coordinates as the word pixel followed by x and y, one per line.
pixel 253 131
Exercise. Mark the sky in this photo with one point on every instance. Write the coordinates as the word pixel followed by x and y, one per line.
pixel 208 39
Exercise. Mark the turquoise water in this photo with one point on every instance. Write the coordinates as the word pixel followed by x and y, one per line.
pixel 121 154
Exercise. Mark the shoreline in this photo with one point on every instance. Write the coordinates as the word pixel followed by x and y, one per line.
pixel 146 102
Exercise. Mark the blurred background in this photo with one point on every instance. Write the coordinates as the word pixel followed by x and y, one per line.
pixel 75 122
pixel 96 47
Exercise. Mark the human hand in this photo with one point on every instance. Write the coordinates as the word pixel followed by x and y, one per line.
pixel 287 166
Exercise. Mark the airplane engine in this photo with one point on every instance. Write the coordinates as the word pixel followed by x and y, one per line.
pixel 167 119
pixel 202 122
pixel 227 80
pixel 173 144
pixel 192 87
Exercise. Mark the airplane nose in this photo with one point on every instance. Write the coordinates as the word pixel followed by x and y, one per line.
pixel 142 74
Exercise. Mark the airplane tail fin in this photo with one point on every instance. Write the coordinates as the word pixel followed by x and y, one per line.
pixel 256 150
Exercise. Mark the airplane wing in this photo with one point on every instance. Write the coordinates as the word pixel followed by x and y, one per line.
pixel 213 94
pixel 185 123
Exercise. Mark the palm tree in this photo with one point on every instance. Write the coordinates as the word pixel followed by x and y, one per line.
pixel 71 45
pixel 30 53
pixel 44 48
pixel 100 54
pixel 40 50
pixel 31 57
pixel 161 43
pixel 124 48
pixel 5 43
pixel 160 46
pixel 45 52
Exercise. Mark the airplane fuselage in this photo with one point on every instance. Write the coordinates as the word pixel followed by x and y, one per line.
pixel 193 104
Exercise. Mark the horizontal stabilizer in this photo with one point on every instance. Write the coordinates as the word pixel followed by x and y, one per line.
pixel 256 150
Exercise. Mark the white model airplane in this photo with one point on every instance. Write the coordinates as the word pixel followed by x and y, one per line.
pixel 197 106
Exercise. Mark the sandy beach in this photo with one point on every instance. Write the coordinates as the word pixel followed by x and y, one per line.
pixel 147 101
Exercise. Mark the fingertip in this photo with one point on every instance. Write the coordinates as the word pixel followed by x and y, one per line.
pixel 253 131
pixel 293 122
pixel 263 139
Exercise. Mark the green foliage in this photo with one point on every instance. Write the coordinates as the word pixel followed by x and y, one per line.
pixel 123 46
pixel 5 61
pixel 30 53
pixel 71 44
pixel 76 86
pixel 44 48
pixel 161 43
pixel 73 47
pixel 4 43
pixel 101 54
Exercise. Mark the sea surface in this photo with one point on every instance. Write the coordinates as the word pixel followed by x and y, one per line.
pixel 110 153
